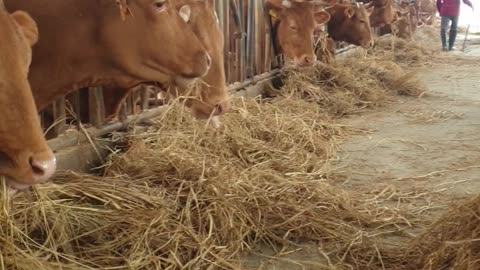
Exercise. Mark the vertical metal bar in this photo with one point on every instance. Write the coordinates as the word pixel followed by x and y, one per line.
pixel 250 39
pixel 219 10
pixel 229 57
pixel 275 63
pixel 41 116
pixel 241 13
pixel 258 19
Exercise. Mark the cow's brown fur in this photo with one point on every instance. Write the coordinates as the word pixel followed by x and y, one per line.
pixel 350 23
pixel 86 43
pixel 295 27
pixel 21 140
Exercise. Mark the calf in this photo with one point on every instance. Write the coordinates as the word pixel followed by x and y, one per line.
pixel 88 43
pixel 25 158
pixel 350 23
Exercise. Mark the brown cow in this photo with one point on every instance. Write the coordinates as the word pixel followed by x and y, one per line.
pixel 295 23
pixel 87 43
pixel 384 12
pixel 426 11
pixel 401 27
pixel 350 23
pixel 25 158
pixel 211 96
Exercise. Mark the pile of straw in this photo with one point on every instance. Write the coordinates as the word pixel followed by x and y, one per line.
pixel 408 53
pixel 452 242
pixel 348 86
pixel 187 197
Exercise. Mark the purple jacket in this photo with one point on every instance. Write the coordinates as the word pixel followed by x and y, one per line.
pixel 450 7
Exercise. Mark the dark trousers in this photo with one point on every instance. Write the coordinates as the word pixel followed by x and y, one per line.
pixel 453 31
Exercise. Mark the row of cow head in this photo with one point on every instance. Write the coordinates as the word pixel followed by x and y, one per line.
pixel 296 22
pixel 161 41
pixel 176 42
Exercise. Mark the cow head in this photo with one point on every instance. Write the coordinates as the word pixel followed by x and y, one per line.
pixel 210 96
pixel 404 24
pixel 25 158
pixel 383 13
pixel 295 23
pixel 351 23
pixel 167 48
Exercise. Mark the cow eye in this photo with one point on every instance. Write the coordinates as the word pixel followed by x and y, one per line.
pixel 160 5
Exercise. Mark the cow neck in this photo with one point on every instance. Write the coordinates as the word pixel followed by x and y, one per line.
pixel 44 94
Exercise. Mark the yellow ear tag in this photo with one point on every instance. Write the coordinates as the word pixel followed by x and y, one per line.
pixel 272 13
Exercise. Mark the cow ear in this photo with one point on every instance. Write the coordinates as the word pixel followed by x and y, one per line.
pixel 321 17
pixel 275 8
pixel 370 10
pixel 349 12
pixel 27 25
pixel 185 12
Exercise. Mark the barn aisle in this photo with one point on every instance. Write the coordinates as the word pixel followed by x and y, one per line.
pixel 426 147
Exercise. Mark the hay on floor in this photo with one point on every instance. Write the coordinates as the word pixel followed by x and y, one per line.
pixel 452 242
pixel 187 197
pixel 408 53
pixel 350 85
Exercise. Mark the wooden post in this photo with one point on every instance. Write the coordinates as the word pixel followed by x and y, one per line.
pixel 145 95
pixel 96 106
pixel 59 116
pixel 76 105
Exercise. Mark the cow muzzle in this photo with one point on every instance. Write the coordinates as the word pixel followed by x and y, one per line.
pixel 203 110
pixel 305 60
pixel 368 45
pixel 35 169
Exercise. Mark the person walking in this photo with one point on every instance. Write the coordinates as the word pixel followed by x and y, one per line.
pixel 449 11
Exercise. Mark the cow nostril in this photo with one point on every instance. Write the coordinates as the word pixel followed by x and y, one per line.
pixel 42 170
pixel 307 60
pixel 218 109
pixel 37 169
pixel 209 60
pixel 222 107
